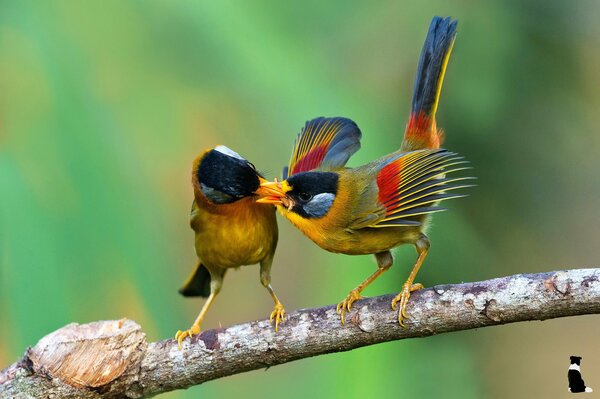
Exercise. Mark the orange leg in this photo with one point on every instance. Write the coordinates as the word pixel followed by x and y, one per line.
pixel 278 313
pixel 422 246
pixel 384 262
pixel 216 282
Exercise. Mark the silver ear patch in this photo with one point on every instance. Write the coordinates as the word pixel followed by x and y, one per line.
pixel 228 151
pixel 319 205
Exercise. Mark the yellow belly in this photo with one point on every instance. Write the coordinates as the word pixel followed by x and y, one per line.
pixel 238 234
pixel 360 242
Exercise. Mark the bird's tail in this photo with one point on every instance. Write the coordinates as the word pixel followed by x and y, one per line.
pixel 198 283
pixel 421 131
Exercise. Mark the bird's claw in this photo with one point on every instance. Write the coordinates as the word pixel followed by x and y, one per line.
pixel 278 314
pixel 403 297
pixel 181 335
pixel 346 304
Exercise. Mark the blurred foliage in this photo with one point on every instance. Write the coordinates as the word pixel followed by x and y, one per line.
pixel 104 105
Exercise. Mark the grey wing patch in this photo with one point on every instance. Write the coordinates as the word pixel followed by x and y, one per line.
pixel 342 147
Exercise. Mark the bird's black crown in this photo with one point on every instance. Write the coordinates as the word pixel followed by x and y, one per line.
pixel 313 193
pixel 225 177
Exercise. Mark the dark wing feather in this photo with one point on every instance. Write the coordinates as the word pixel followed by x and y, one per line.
pixel 324 144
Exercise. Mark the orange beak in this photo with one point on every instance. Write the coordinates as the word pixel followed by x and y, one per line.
pixel 273 193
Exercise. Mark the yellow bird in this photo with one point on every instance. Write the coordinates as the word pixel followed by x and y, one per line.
pixel 383 204
pixel 232 229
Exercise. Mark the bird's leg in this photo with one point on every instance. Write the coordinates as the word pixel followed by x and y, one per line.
pixel 422 246
pixel 278 312
pixel 384 262
pixel 216 282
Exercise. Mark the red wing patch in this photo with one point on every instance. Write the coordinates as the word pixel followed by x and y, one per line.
pixel 324 143
pixel 414 183
pixel 388 181
pixel 311 160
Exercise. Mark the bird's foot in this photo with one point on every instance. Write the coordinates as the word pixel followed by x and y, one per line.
pixel 346 304
pixel 278 315
pixel 181 335
pixel 403 297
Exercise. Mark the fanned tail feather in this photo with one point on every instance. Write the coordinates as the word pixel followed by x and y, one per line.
pixel 414 184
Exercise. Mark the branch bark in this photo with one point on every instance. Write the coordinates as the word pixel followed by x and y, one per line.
pixel 112 358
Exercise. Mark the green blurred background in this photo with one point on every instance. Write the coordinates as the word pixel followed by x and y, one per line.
pixel 105 104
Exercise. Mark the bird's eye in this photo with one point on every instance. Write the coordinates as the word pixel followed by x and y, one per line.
pixel 304 197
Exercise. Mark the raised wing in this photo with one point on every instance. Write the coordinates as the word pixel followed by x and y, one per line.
pixel 414 183
pixel 324 144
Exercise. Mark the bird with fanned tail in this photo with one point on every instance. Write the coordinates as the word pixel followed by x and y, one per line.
pixel 376 207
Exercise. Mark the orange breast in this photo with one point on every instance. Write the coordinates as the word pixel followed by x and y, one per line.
pixel 233 235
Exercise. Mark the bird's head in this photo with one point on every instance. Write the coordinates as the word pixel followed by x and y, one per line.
pixel 308 194
pixel 223 176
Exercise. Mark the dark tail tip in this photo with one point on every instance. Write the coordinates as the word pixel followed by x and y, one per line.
pixel 432 64
pixel 198 283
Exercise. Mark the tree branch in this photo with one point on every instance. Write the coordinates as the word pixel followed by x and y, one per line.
pixel 112 358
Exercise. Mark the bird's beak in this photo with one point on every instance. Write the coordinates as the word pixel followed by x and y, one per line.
pixel 274 193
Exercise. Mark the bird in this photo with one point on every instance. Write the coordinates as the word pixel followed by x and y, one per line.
pixel 231 229
pixel 576 383
pixel 376 207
